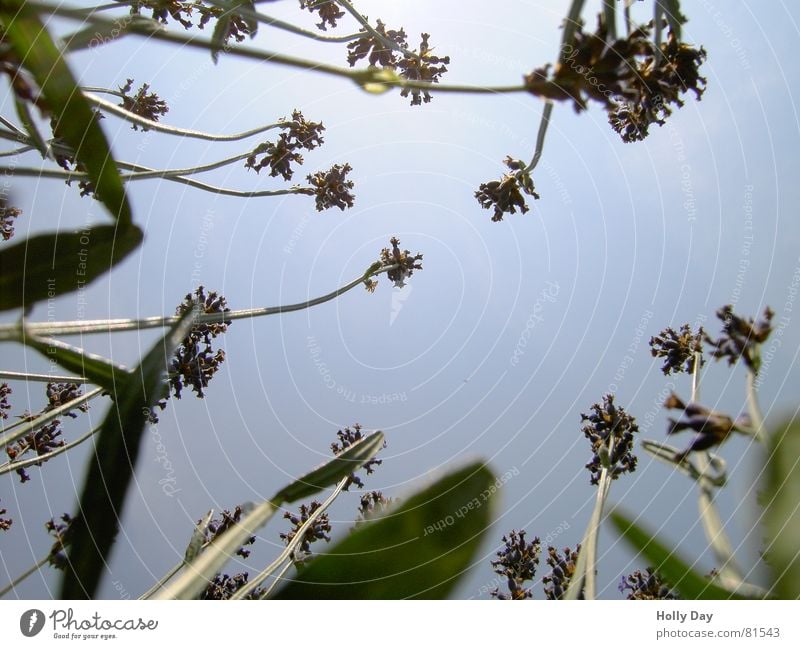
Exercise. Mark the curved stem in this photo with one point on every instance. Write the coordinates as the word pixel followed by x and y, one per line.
pixel 543 124
pixel 76 327
pixel 160 583
pixel 16 582
pixel 571 23
pixel 386 42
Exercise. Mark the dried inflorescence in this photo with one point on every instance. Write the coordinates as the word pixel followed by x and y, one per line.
pixel 61 534
pixel 217 527
pixel 347 438
pixel 331 188
pixel 505 196
pixel 328 11
pixel 195 362
pixel 517 562
pixel 301 132
pixel 238 26
pixel 59 394
pixel 562 569
pixel 5 390
pixel 678 349
pixel 610 430
pixel 224 587
pixel 5 523
pixel 390 51
pixel 712 427
pixel 406 263
pixel 163 10
pixel 372 504
pixel 741 337
pixel 144 103
pixel 43 440
pixel 645 585
pixel 7 216
pixel 318 530
pixel 278 156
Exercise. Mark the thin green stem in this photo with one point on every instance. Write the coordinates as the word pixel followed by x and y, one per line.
pixel 571 23
pixel 297 539
pixel 386 42
pixel 79 327
pixel 543 124
pixel 16 582
pixel 160 583
pixel 610 17
pixel 8 467
pixel 119 111
pixel 24 427
pixel 44 378
pixel 753 409
pixel 276 580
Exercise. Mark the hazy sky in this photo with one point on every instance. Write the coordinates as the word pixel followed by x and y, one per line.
pixel 511 330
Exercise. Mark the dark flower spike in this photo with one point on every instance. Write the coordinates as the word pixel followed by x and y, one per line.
pixel 216 527
pixel 7 216
pixel 741 338
pixel 61 533
pixel 144 104
pixel 517 562
pixel 506 195
pixel 331 187
pixel 678 349
pixel 645 585
pixel 327 10
pixel 195 362
pixel 407 263
pixel 609 425
pixel 43 440
pixel 5 523
pixel 347 438
pixel 224 587
pixel 278 157
pixel 302 133
pixel 375 50
pixel 372 505
pixel 422 67
pixel 5 390
pixel 317 531
pixel 712 427
pixel 563 568
pixel 60 393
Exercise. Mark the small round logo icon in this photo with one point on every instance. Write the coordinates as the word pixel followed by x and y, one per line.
pixel 31 622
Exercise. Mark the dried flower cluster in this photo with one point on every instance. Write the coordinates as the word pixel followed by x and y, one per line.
pixel 347 438
pixel 7 216
pixel 5 523
pixel 279 156
pixel 195 362
pixel 43 440
pixel 517 562
pixel 406 263
pixel 217 527
pixel 144 103
pixel 645 585
pixel 610 430
pixel 741 337
pixel 563 568
pixel 238 26
pixel 61 535
pixel 224 587
pixel 331 188
pixel 678 349
pixel 5 390
pixel 318 530
pixel 506 195
pixel 328 11
pixel 59 394
pixel 372 504
pixel 712 427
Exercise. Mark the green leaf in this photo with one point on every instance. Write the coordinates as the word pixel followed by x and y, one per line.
pixel 100 371
pixel 197 575
pixel 75 121
pixel 666 562
pixel 419 550
pixel 111 468
pixel 780 498
pixel 219 39
pixel 48 265
pixel 675 19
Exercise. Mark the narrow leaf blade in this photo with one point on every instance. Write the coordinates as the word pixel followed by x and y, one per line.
pixel 419 550
pixel 100 371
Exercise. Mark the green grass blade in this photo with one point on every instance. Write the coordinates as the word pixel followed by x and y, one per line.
pixel 780 498
pixel 111 468
pixel 666 562
pixel 77 123
pixel 48 265
pixel 419 550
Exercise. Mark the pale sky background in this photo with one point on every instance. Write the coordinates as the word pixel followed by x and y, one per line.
pixel 626 240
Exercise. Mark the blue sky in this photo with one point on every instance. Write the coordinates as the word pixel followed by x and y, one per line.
pixel 625 240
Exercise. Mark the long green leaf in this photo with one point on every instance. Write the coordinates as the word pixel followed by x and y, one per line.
pixel 100 371
pixel 74 119
pixel 674 570
pixel 48 265
pixel 420 550
pixel 780 497
pixel 111 469
pixel 198 573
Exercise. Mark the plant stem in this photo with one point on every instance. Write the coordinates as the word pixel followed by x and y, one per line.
pixel 753 409
pixel 158 585
pixel 8 467
pixel 386 42
pixel 610 17
pixel 16 582
pixel 43 378
pixel 571 23
pixel 288 551
pixel 543 124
